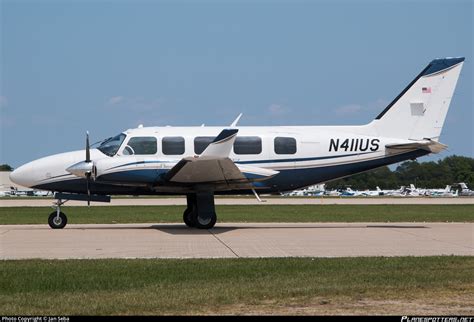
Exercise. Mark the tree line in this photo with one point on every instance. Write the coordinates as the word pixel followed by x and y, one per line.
pixel 450 170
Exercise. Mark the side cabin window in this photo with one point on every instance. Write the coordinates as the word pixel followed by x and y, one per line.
pixel 201 143
pixel 173 145
pixel 284 145
pixel 248 145
pixel 141 145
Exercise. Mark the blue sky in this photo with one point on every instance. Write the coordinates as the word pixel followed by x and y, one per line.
pixel 106 66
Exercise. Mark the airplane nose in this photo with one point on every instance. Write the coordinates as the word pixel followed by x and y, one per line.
pixel 23 176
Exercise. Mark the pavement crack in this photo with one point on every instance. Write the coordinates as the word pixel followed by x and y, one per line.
pixel 431 238
pixel 227 246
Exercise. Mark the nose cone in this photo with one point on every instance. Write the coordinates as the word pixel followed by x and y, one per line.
pixel 24 175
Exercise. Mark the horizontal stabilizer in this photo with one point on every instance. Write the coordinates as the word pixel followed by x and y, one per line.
pixel 428 145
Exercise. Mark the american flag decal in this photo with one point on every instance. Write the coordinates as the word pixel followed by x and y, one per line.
pixel 426 90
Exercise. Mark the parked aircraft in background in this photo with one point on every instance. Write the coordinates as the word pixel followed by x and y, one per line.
pixel 465 191
pixel 200 162
pixel 447 192
pixel 387 192
pixel 372 193
pixel 15 192
pixel 348 192
pixel 332 193
pixel 414 192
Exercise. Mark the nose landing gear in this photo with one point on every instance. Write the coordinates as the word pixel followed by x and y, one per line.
pixel 57 219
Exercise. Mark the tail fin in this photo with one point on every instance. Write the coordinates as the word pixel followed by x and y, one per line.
pixel 419 111
pixel 463 186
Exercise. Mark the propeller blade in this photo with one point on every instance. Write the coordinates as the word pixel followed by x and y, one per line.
pixel 88 178
pixel 88 152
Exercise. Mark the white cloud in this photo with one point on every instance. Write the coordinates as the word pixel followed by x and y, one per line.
pixel 115 100
pixel 277 110
pixel 370 108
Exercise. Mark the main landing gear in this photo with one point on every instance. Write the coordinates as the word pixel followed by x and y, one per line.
pixel 200 211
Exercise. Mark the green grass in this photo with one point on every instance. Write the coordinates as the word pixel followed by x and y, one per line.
pixel 115 286
pixel 247 213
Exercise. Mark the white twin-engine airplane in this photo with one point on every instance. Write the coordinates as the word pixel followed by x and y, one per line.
pixel 200 162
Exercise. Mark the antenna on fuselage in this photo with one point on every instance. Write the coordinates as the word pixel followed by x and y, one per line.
pixel 234 124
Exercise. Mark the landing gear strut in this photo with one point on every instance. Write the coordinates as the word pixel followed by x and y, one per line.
pixel 57 219
pixel 200 211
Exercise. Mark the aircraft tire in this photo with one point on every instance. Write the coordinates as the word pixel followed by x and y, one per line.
pixel 206 224
pixel 57 223
pixel 189 218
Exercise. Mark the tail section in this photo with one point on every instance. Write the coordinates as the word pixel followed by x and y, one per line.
pixel 419 111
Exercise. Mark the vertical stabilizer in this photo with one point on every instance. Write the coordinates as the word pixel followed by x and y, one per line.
pixel 419 111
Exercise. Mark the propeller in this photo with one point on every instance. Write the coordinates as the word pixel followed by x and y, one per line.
pixel 88 173
pixel 84 169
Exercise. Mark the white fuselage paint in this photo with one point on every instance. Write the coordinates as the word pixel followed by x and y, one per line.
pixel 317 146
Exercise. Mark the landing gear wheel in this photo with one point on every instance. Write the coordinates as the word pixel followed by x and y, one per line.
pixel 207 223
pixel 56 222
pixel 189 218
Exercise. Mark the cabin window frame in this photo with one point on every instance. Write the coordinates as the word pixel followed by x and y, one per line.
pixel 132 150
pixel 245 149
pixel 167 150
pixel 278 146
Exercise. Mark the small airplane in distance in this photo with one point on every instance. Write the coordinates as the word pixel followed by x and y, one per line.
pixel 465 191
pixel 388 192
pixel 447 192
pixel 397 193
pixel 200 162
pixel 373 193
pixel 414 192
pixel 348 192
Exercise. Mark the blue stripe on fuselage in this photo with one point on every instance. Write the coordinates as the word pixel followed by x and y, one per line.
pixel 257 161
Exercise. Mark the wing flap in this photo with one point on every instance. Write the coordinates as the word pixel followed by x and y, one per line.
pixel 196 170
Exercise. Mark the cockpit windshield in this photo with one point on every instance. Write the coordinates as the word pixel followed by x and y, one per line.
pixel 110 146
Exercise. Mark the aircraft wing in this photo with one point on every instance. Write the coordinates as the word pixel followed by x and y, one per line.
pixel 215 166
pixel 428 145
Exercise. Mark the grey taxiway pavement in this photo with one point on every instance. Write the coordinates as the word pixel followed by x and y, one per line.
pixel 230 240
